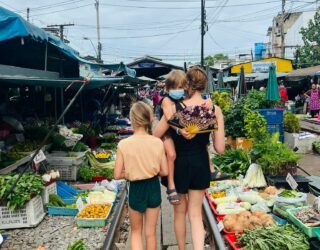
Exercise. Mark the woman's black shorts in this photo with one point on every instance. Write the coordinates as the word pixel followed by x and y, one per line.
pixel 192 171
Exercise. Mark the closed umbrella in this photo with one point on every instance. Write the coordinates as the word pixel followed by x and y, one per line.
pixel 242 86
pixel 220 80
pixel 272 93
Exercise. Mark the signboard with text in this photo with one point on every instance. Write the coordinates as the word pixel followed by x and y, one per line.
pixel 261 67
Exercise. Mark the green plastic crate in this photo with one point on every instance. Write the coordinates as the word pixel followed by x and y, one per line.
pixel 310 231
pixel 90 222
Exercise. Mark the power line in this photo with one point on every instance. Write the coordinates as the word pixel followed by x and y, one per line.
pixel 39 8
pixel 187 8
pixel 57 11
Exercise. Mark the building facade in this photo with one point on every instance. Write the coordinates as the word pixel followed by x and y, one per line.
pixel 293 22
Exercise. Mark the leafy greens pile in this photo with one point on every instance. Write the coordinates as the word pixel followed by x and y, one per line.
pixel 28 186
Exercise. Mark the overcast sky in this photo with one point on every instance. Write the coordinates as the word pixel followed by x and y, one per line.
pixel 169 29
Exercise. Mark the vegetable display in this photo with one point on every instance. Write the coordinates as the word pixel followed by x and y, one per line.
pixel 233 162
pixel 290 194
pixel 247 220
pixel 55 201
pixel 275 237
pixel 275 157
pixel 254 177
pixel 95 211
pixel 28 186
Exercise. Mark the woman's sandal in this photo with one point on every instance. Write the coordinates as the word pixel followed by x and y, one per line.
pixel 173 199
pixel 218 176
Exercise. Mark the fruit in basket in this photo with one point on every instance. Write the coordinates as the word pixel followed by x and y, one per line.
pixel 218 194
pixel 102 155
pixel 97 211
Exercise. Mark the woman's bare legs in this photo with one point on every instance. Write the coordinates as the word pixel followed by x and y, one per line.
pixel 180 213
pixel 136 222
pixel 171 157
pixel 150 227
pixel 195 198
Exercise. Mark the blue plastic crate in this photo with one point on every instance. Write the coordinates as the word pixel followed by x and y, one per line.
pixel 274 128
pixel 273 116
pixel 62 211
pixel 279 220
pixel 65 191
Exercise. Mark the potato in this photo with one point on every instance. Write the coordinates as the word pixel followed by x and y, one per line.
pixel 229 224
pixel 258 213
pixel 264 195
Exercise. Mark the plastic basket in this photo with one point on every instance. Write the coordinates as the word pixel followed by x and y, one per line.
pixel 232 241
pixel 310 231
pixel 90 222
pixel 67 172
pixel 62 211
pixel 50 189
pixel 273 116
pixel 29 216
pixel 60 158
pixel 65 191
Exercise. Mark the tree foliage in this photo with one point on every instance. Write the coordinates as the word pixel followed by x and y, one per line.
pixel 309 54
pixel 210 60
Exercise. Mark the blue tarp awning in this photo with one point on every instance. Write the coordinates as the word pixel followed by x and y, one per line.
pixel 13 25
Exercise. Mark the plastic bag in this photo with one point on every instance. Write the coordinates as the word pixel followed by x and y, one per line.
pixel 260 206
pixel 283 204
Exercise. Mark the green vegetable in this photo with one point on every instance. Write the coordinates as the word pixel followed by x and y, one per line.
pixel 289 194
pixel 28 186
pixel 255 126
pixel 56 201
pixel 233 162
pixel 77 245
pixel 316 146
pixel 110 146
pixel 86 173
pixel 291 123
pixel 275 157
pixel 275 237
pixel 221 99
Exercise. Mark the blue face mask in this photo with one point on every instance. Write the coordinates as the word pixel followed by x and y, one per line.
pixel 176 94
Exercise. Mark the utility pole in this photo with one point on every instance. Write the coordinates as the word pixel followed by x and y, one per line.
pixel 61 28
pixel 98 30
pixel 28 14
pixel 202 31
pixel 282 28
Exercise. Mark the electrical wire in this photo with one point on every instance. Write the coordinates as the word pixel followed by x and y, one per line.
pixel 57 11
pixel 52 5
pixel 187 8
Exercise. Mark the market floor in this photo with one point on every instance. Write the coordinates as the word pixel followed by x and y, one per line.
pixel 165 231
pixel 310 163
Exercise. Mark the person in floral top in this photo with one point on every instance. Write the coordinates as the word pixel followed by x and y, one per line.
pixel 314 104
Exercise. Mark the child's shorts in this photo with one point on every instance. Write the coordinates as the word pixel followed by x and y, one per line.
pixel 144 194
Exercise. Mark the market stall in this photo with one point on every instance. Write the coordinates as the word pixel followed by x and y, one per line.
pixel 265 204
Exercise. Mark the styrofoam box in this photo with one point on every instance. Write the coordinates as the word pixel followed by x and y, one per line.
pixel 50 189
pixel 29 216
pixel 304 145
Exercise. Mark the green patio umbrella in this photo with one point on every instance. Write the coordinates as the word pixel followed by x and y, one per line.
pixel 272 93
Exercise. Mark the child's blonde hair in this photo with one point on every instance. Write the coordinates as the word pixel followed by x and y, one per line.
pixel 176 78
pixel 141 115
